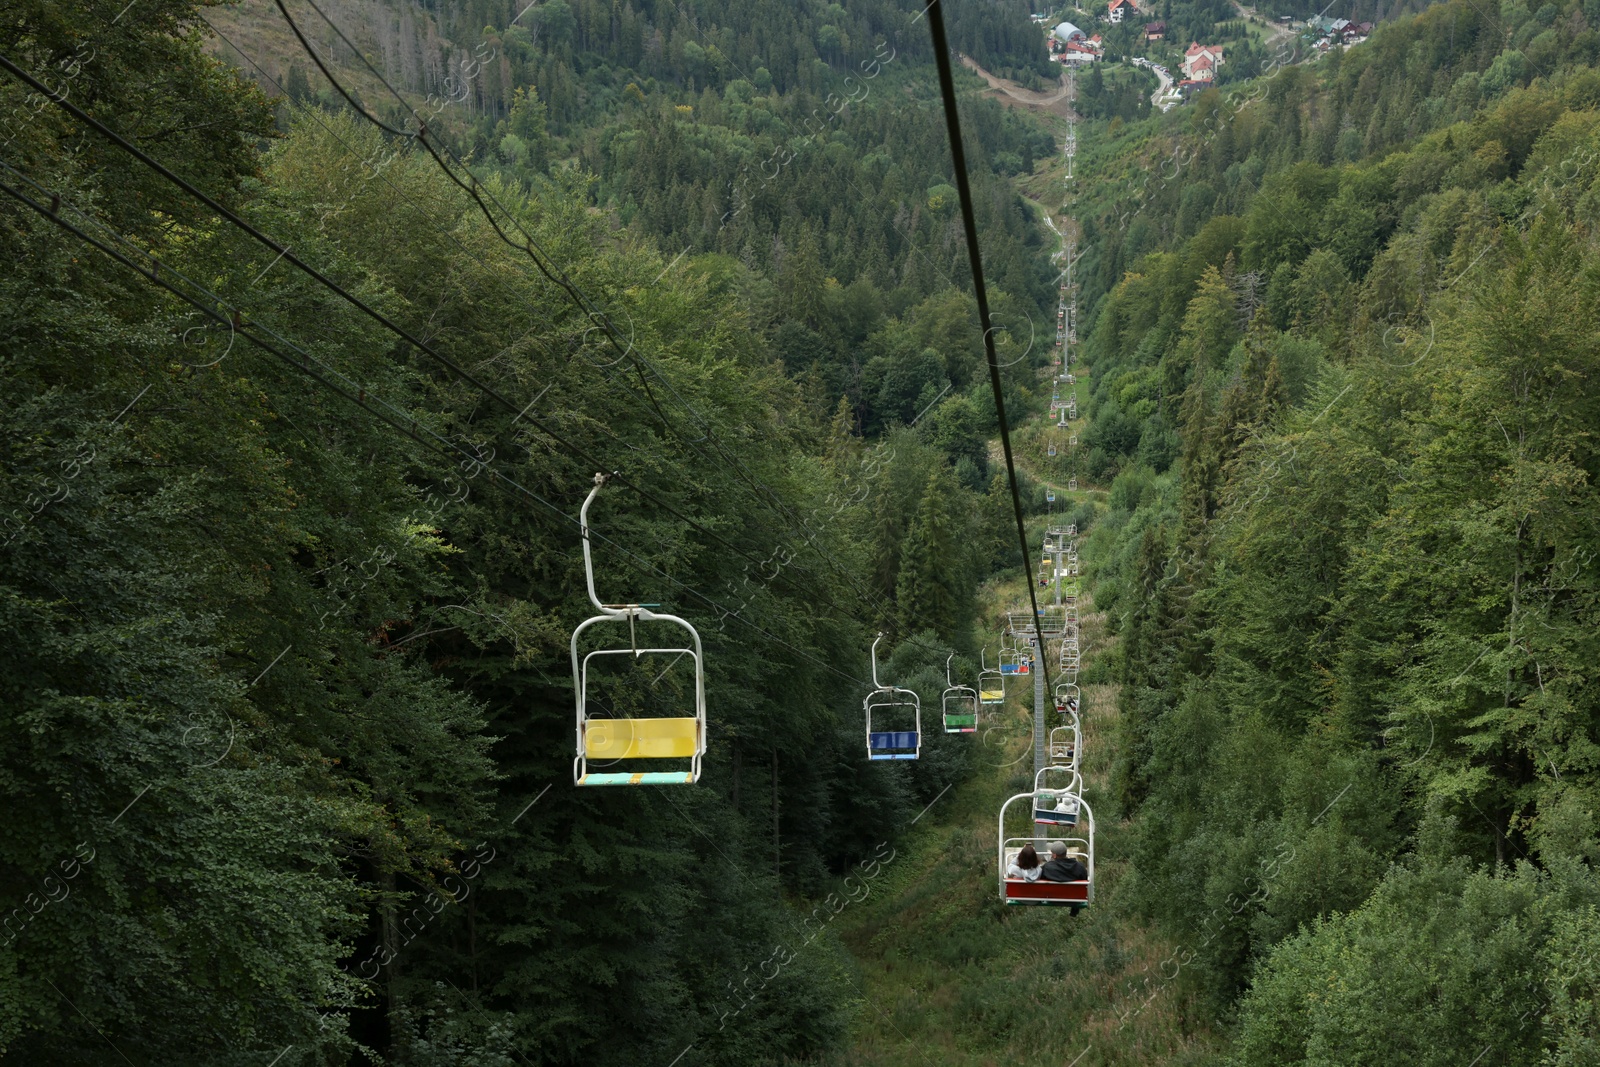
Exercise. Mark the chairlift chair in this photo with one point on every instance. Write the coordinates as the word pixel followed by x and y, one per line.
pixel 1050 494
pixel 1051 450
pixel 1065 745
pixel 1075 896
pixel 1056 793
pixel 681 737
pixel 1009 658
pixel 1068 697
pixel 991 683
pixel 960 705
pixel 893 705
pixel 1072 484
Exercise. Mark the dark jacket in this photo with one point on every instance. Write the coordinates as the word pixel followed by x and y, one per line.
pixel 1065 869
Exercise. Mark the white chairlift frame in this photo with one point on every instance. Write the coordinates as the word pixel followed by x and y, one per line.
pixel 631 614
pixel 965 696
pixel 883 698
pixel 1073 790
pixel 1066 746
pixel 1014 654
pixel 1070 894
pixel 994 675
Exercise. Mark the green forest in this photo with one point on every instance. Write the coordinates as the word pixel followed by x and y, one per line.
pixel 323 318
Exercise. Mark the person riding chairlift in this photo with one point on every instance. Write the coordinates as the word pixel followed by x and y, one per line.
pixel 1062 867
pixel 1025 866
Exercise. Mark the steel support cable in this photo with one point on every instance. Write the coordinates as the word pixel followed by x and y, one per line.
pixel 223 313
pixel 531 247
pixel 958 155
pixel 400 331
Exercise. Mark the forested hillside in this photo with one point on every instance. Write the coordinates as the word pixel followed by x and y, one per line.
pixel 802 142
pixel 1345 386
pixel 322 320
pixel 294 444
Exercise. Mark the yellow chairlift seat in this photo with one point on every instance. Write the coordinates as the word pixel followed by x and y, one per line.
pixel 675 737
pixel 641 738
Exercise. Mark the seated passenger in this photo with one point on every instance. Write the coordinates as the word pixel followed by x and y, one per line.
pixel 1025 866
pixel 1062 867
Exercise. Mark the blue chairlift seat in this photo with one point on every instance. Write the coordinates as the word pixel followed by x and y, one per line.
pixel 892 744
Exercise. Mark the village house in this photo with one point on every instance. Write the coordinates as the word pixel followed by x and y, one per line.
pixel 1155 31
pixel 1200 62
pixel 1116 10
pixel 1328 32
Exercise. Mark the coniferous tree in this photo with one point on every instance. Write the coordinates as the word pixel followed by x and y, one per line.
pixel 927 592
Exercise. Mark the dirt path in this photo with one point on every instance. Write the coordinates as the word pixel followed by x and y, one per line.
pixel 1278 31
pixel 1056 103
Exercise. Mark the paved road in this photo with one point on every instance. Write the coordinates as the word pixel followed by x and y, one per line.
pixel 1161 91
pixel 1163 98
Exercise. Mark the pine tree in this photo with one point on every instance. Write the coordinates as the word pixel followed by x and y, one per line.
pixel 295 85
pixel 926 592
